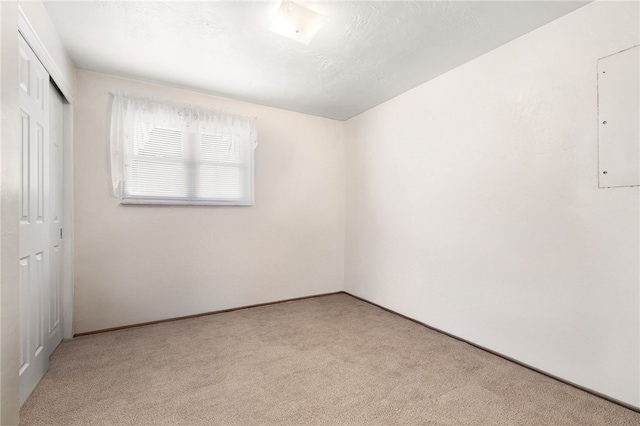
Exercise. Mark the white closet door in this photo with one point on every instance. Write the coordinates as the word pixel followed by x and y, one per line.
pixel 34 251
pixel 53 321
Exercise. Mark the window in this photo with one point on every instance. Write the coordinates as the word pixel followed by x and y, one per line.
pixel 169 154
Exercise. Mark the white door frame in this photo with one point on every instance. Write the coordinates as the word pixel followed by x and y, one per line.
pixel 29 34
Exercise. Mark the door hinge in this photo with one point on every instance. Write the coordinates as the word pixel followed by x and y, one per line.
pixel 60 232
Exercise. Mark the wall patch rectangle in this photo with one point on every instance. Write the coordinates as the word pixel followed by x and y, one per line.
pixel 619 119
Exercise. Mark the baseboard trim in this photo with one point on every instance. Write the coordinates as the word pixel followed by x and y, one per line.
pixel 508 358
pixel 222 311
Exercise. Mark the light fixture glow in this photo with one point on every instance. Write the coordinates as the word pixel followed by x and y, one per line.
pixel 297 22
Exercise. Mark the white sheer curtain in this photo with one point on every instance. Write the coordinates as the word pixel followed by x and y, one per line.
pixel 180 153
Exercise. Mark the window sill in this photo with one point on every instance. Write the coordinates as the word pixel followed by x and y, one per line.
pixel 177 202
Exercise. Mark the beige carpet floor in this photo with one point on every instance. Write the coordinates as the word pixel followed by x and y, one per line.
pixel 330 360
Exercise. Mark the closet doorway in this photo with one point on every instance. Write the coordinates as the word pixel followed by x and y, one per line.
pixel 41 217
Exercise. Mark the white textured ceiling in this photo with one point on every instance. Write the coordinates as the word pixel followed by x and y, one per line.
pixel 367 53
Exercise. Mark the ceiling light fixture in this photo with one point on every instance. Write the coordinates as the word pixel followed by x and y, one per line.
pixel 296 22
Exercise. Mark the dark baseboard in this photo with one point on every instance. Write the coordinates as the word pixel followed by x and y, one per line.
pixel 222 311
pixel 537 370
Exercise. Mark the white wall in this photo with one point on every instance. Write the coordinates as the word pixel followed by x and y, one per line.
pixel 10 159
pixel 473 206
pixel 135 264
